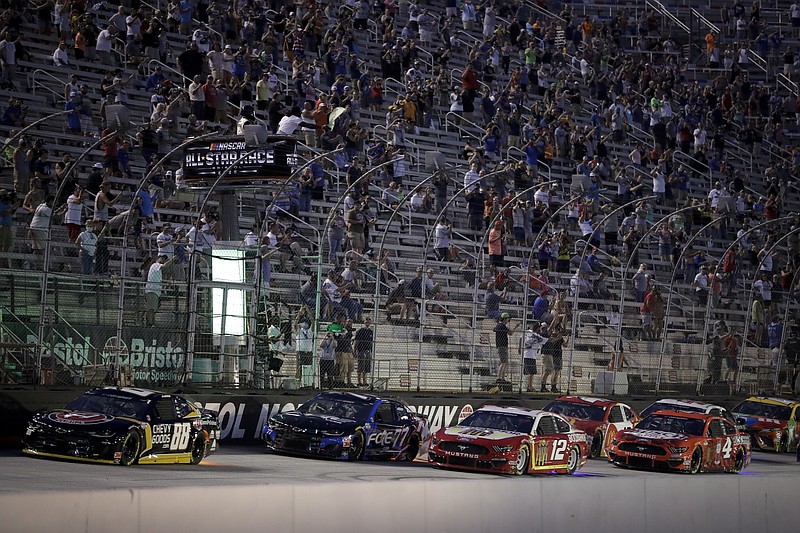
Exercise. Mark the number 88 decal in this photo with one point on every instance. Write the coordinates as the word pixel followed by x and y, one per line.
pixel 180 436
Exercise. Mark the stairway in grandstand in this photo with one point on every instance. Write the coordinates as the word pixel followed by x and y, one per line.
pixel 436 355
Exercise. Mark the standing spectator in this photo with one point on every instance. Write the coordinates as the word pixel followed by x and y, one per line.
pixel 700 285
pixel 344 355
pixel 87 244
pixel 362 348
pixel 8 59
pixel 304 339
pixel 640 282
pixel 327 362
pixel 7 207
pixel 441 239
pixel 532 343
pixel 553 358
pixel 154 286
pixel 468 15
pixel 775 335
pixel 40 222
pixel 501 333
pixel 731 347
pixel 73 212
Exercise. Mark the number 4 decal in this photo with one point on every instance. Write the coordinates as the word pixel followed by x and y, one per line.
pixel 726 448
pixel 180 436
pixel 559 447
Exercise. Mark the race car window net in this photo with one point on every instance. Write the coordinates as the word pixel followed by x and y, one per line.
pixel 779 412
pixel 164 409
pixel 109 405
pixel 576 410
pixel 715 429
pixel 616 414
pixel 673 424
pixel 730 429
pixel 547 426
pixel 499 421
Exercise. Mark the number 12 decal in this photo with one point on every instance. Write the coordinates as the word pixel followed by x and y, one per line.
pixel 559 448
pixel 180 436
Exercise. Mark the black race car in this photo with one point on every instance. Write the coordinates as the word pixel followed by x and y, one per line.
pixel 124 426
pixel 348 425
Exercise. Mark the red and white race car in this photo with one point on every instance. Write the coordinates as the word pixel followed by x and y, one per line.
pixel 600 418
pixel 682 442
pixel 510 440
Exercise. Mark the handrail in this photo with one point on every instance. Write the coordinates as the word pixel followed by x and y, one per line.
pixel 185 78
pixel 465 131
pixel 461 72
pixel 124 54
pixel 710 25
pixel 661 8
pixel 538 161
pixel 302 222
pixel 687 156
pixel 390 208
pixel 759 62
pixel 786 83
pixel 35 82
pixel 542 11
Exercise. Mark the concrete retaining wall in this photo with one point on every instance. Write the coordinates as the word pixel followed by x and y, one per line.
pixel 666 504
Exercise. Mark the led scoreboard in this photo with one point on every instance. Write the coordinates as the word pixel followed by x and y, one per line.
pixel 205 160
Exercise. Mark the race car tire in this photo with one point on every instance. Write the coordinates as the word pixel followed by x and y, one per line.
pixel 523 460
pixel 357 447
pixel 573 461
pixel 597 445
pixel 131 446
pixel 738 462
pixel 413 448
pixel 198 449
pixel 697 460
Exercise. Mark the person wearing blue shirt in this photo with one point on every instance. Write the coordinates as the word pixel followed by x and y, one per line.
pixel 74 118
pixel 541 309
pixel 154 80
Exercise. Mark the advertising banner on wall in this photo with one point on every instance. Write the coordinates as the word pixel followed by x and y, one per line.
pixel 154 355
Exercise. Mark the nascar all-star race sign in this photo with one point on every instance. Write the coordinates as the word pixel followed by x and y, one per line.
pixel 271 159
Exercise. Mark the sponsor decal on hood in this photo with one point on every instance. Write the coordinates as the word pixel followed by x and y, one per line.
pixel 468 433
pixel 653 434
pixel 79 418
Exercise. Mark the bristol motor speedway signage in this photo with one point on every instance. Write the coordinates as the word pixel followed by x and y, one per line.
pixel 151 356
pixel 241 418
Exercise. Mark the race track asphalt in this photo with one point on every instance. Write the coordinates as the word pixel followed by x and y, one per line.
pixel 253 466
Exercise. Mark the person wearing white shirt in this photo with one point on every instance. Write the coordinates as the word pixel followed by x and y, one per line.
pixel 659 182
pixel 133 24
pixel 543 195
pixel 87 243
pixel 289 124
pixel 471 176
pixel 8 58
pixel 60 57
pixel 467 15
pixel 164 240
pixel 39 224
pixel 416 201
pixel 715 194
pixel 532 344
pixel 104 44
pixel 441 239
pixel 73 214
pixel 700 137
pixel 251 238
pixel 154 286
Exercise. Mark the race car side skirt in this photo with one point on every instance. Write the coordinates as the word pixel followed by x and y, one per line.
pixel 69 457
pixel 168 458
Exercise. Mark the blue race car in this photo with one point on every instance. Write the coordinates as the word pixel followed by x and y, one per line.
pixel 350 426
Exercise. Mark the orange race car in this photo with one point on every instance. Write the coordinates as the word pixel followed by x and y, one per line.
pixel 600 418
pixel 681 442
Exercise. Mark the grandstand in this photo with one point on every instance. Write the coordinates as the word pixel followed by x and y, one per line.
pixel 62 324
